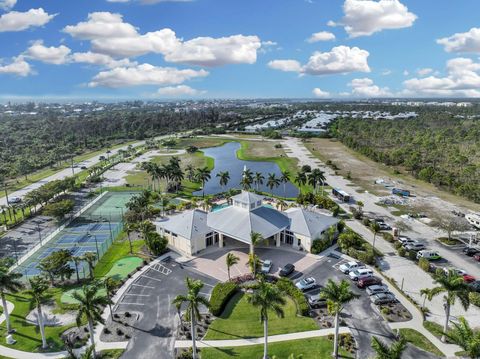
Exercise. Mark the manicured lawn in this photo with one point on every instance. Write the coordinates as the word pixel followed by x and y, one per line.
pixel 312 348
pixel 434 328
pixel 123 267
pixel 420 341
pixel 242 320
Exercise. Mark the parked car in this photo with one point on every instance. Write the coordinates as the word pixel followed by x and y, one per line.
pixel 383 298
pixel 14 200
pixel 360 273
pixel 306 283
pixel 430 255
pixel 315 300
pixel 266 266
pixel 384 227
pixel 402 239
pixel 83 167
pixel 366 282
pixel 475 285
pixel 470 251
pixel 349 266
pixel 468 278
pixel 460 272
pixel 378 288
pixel 287 270
pixel 407 241
pixel 415 246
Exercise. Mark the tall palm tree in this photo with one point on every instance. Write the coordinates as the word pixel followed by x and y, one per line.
pixel 38 296
pixel 268 298
pixel 129 228
pixel 193 299
pixel 76 261
pixel 203 175
pixel 315 177
pixel 90 305
pixel 301 178
pixel 454 287
pixel 255 238
pixel 281 204
pixel 110 286
pixel 230 260
pixel 190 170
pixel 394 351
pixel 247 179
pixel 465 337
pixel 224 177
pixel 258 179
pixel 90 258
pixel 272 181
pixel 285 178
pixel 375 229
pixel 9 283
pixel 337 295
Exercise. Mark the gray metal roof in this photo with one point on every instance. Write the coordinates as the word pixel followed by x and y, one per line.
pixel 247 197
pixel 190 224
pixel 308 223
pixel 239 223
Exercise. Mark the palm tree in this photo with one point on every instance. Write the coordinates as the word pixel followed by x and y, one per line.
pixel 110 286
pixel 90 305
pixel 224 177
pixel 38 296
pixel 193 299
pixel 360 206
pixel 394 351
pixel 203 175
pixel 255 238
pixel 231 260
pixel 90 258
pixel 247 179
pixel 465 337
pixel 258 179
pixel 454 287
pixel 76 261
pixel 9 283
pixel 281 204
pixel 89 353
pixel 272 181
pixel 285 178
pixel 375 229
pixel 337 295
pixel 315 177
pixel 190 170
pixel 129 228
pixel 268 298
pixel 301 178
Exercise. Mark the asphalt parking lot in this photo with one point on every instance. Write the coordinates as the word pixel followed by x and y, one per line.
pixel 151 296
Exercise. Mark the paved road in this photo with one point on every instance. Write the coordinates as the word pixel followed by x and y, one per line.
pixel 151 296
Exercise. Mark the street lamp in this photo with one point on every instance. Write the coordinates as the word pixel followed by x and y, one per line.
pixel 39 234
pixel 96 242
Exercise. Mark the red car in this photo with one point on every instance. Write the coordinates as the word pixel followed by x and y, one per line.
pixel 477 257
pixel 366 282
pixel 468 278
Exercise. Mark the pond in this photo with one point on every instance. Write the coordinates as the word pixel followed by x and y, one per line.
pixel 225 157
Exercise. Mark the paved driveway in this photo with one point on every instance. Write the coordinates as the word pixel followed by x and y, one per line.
pixel 151 296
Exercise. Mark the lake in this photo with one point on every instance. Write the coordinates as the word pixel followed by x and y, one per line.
pixel 225 157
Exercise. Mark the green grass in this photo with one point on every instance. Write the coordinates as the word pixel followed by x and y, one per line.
pixel 434 328
pixel 312 348
pixel 123 267
pixel 111 353
pixel 241 320
pixel 420 341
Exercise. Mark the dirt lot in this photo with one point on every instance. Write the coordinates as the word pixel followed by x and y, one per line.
pixel 364 172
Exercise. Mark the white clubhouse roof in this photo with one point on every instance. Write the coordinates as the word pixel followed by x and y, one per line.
pixel 308 223
pixel 190 224
pixel 247 197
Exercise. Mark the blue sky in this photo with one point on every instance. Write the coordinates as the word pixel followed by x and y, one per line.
pixel 151 49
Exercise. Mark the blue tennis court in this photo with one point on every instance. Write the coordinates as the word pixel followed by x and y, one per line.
pixel 89 227
pixel 83 238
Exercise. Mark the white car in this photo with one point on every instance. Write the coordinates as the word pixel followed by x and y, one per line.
pixel 14 200
pixel 346 268
pixel 306 283
pixel 360 273
pixel 266 266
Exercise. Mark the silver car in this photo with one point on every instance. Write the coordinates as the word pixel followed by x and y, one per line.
pixel 266 266
pixel 377 288
pixel 383 298
pixel 306 283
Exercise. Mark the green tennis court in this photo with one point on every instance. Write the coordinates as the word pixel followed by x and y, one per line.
pixel 110 206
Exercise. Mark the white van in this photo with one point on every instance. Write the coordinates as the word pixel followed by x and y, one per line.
pixel 430 255
pixel 360 274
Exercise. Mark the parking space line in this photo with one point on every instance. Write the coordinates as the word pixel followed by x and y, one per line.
pixel 138 295
pixel 208 285
pixel 143 286
pixel 125 303
pixel 146 276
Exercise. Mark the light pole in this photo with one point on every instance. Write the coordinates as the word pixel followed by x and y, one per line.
pixel 39 234
pixel 96 243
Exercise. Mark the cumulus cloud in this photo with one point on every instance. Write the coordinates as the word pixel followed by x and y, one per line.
pixel 7 4
pixel 144 74
pixel 321 36
pixel 366 88
pixel 425 71
pixel 468 42
pixel 100 60
pixel 49 55
pixel 462 79
pixel 110 35
pixel 18 67
pixel 148 2
pixel 339 60
pixel 320 93
pixel 19 21
pixel 366 17
pixel 178 91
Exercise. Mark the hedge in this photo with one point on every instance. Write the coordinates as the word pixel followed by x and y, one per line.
pixel 474 298
pixel 287 286
pixel 221 294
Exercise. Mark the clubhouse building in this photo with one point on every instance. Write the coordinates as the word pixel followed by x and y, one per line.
pixel 192 231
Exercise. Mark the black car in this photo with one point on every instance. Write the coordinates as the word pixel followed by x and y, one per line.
pixel 287 269
pixel 470 251
pixel 475 286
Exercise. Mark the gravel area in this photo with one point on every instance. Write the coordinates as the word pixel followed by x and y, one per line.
pixel 50 319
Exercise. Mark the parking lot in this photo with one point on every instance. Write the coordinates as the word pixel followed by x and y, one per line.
pixel 151 296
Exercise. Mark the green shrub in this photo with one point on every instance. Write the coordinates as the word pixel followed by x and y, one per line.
pixel 412 255
pixel 402 252
pixel 397 245
pixel 366 222
pixel 287 286
pixel 319 245
pixel 474 298
pixel 424 264
pixel 221 294
pixel 388 237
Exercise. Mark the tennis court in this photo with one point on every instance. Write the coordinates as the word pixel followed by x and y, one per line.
pixel 94 231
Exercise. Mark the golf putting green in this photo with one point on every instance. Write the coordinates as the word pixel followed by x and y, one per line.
pixel 67 297
pixel 123 267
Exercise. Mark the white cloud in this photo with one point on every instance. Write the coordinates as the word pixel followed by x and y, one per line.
pixel 425 71
pixel 462 79
pixel 7 4
pixel 386 72
pixel 178 91
pixel 147 2
pixel 366 17
pixel 320 93
pixel 18 67
pixel 462 42
pixel 110 35
pixel 321 36
pixel 339 60
pixel 144 74
pixel 406 73
pixel 18 21
pixel 100 59
pixel 366 88
pixel 49 55
pixel 285 65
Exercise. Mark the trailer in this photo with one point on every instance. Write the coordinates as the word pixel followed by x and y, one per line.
pixel 341 195
pixel 401 192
